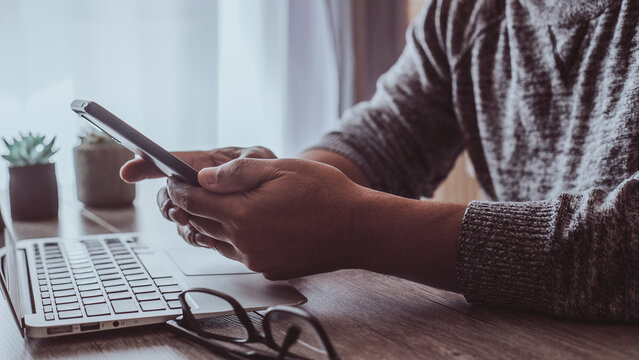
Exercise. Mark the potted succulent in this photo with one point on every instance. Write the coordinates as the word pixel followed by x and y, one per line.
pixel 97 171
pixel 33 187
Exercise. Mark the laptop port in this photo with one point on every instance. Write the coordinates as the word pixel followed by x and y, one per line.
pixel 90 327
pixel 116 324
pixel 59 330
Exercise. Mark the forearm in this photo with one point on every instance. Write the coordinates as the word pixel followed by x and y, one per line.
pixel 411 239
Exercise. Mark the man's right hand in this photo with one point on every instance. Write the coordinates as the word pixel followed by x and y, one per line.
pixel 139 169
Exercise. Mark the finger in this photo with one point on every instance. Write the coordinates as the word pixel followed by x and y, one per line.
pixel 197 201
pixel 164 202
pixel 187 232
pixel 239 175
pixel 140 169
pixel 227 250
pixel 178 215
pixel 256 152
pixel 208 227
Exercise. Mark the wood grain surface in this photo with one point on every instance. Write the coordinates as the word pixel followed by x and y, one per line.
pixel 367 315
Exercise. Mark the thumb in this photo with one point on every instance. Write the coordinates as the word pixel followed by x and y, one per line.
pixel 237 175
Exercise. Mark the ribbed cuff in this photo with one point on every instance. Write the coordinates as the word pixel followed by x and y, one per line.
pixel 504 253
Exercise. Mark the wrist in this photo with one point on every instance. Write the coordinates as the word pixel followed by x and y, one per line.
pixel 411 239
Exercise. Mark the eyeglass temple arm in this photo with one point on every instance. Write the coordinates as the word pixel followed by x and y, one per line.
pixel 292 334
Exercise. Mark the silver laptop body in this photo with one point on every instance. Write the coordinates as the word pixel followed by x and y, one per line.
pixel 61 286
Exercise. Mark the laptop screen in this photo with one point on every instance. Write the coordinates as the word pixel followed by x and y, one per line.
pixel 8 268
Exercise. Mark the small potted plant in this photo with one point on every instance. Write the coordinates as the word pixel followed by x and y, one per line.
pixel 97 171
pixel 33 187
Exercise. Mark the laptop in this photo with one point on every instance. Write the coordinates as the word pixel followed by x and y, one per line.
pixel 64 286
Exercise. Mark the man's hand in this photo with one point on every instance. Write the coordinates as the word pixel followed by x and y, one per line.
pixel 283 218
pixel 139 169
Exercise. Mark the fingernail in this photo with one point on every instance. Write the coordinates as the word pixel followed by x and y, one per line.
pixel 208 176
pixel 177 216
pixel 201 241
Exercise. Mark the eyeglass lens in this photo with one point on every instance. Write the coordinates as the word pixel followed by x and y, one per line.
pixel 205 307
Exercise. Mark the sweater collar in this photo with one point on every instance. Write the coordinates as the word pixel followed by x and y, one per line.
pixel 565 12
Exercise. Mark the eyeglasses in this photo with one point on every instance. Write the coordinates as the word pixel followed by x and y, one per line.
pixel 291 332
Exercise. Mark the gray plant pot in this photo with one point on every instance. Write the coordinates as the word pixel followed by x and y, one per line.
pixel 97 175
pixel 33 191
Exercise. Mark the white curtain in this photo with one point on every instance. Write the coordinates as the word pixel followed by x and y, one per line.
pixel 191 74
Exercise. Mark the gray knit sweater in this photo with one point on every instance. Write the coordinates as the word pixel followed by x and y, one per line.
pixel 546 100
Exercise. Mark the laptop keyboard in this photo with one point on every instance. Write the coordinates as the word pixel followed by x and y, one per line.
pixel 100 277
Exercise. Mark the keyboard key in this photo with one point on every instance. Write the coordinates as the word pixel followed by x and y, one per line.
pixel 62 287
pixel 165 281
pixel 174 304
pixel 109 271
pixel 90 293
pixel 102 262
pixel 66 280
pixel 49 317
pixel 48 309
pixel 152 305
pixel 154 265
pixel 124 306
pixel 93 300
pixel 133 271
pixel 137 283
pixel 136 277
pixel 63 293
pixel 125 261
pixel 133 266
pixel 148 296
pixel 97 309
pixel 88 287
pixel 45 295
pixel 115 289
pixel 82 270
pixel 113 282
pixel 41 276
pixel 65 300
pixel 120 295
pixel 143 289
pixel 79 262
pixel 70 314
pixel 60 275
pixel 61 270
pixel 86 281
pixel 110 277
pixel 170 289
pixel 105 266
pixel 66 307
pixel 44 288
pixel 46 302
pixel 171 296
pixel 84 276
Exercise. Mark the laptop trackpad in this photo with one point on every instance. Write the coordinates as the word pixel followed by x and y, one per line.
pixel 198 261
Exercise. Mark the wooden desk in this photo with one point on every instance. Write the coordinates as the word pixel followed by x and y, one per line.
pixel 367 316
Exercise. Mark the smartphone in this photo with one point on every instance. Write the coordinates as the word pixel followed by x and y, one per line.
pixel 133 140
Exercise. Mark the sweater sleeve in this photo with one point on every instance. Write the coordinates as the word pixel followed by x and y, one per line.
pixel 409 126
pixel 576 255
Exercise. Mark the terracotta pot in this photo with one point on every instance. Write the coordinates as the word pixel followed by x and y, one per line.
pixel 97 175
pixel 33 192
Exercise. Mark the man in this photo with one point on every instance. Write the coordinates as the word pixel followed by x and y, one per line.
pixel 544 94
